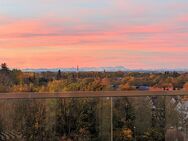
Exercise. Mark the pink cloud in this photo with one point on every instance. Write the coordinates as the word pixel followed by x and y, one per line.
pixel 86 45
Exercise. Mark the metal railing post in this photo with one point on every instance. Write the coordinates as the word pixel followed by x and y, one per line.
pixel 111 118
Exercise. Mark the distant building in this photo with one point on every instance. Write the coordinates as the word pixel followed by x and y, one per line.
pixel 142 88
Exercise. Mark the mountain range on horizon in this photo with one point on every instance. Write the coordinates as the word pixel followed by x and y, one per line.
pixel 100 69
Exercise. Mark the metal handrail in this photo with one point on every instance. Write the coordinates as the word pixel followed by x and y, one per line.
pixel 89 94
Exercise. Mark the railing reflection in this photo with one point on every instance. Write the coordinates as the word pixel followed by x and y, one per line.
pixel 91 116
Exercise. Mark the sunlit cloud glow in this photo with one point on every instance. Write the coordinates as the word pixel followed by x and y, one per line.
pixel 60 33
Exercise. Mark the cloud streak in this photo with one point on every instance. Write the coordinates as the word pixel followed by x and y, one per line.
pixel 135 36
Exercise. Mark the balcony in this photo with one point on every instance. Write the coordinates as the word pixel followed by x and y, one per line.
pixel 94 116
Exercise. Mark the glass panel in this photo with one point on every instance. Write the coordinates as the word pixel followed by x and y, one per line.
pixel 139 118
pixel 147 118
pixel 176 118
pixel 78 119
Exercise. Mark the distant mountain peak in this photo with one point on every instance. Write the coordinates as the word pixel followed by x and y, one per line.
pixel 82 69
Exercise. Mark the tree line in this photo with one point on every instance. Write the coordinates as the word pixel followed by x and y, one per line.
pixel 18 81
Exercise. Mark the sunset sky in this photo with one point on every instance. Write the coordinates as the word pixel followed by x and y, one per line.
pixel 137 34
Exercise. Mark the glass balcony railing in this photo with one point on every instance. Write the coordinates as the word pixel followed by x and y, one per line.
pixel 94 116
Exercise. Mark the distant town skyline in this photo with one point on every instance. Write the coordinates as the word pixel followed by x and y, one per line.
pixel 136 34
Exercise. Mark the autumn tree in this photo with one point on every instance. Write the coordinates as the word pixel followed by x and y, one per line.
pixel 185 87
pixel 76 118
pixel 4 67
pixel 124 119
pixel 34 121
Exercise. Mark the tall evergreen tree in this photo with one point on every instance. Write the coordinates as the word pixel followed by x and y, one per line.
pixel 59 76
